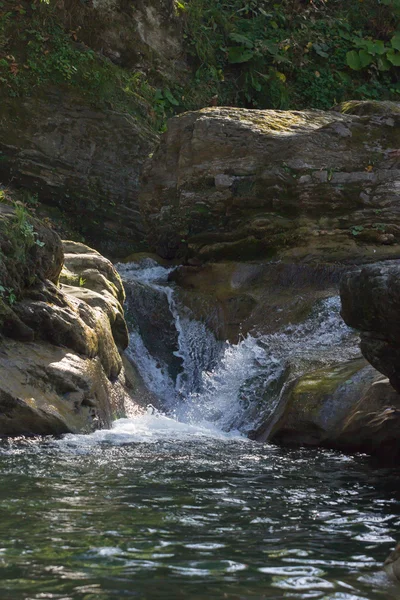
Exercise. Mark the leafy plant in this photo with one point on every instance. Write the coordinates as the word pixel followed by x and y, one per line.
pixel 356 230
pixel 376 52
pixel 250 53
pixel 8 294
pixel 291 54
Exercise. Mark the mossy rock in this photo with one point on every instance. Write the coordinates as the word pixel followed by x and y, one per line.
pixel 276 185
pixel 316 404
pixel 364 108
pixel 29 252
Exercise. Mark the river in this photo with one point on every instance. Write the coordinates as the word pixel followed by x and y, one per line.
pixel 178 503
pixel 156 509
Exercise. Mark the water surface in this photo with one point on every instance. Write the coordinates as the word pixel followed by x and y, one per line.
pixel 155 509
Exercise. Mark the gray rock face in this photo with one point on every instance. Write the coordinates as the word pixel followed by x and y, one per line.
pixel 83 160
pixel 240 184
pixel 371 303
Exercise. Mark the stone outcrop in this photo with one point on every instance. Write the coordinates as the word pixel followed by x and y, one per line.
pixel 236 298
pixel 84 160
pixel 61 368
pixel 236 184
pixel 349 406
pixel 371 304
pixel 392 564
pixel 144 34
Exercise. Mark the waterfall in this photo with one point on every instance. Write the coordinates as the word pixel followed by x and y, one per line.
pixel 200 380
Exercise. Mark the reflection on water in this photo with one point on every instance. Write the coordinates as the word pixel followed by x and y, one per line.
pixel 157 509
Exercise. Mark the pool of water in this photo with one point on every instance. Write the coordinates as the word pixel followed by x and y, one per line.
pixel 156 509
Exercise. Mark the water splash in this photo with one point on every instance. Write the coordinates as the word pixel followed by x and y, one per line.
pixel 148 428
pixel 232 386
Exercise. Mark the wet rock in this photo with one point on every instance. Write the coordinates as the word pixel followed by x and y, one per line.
pixel 236 184
pixel 348 406
pixel 236 298
pixel 49 390
pixel 371 304
pixel 392 564
pixel 150 312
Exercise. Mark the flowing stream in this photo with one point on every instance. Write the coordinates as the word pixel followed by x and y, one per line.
pixel 178 503
pixel 228 386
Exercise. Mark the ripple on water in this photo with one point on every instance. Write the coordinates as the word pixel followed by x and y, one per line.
pixel 160 510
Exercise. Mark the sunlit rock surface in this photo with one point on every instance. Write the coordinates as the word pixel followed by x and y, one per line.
pixel 60 345
pixel 237 184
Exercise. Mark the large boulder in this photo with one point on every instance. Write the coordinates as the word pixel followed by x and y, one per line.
pixel 61 368
pixel 349 406
pixel 82 159
pixel 236 184
pixel 371 303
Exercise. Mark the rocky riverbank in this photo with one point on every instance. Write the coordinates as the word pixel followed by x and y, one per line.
pixel 62 332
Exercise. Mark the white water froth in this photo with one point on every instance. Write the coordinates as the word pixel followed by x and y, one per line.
pixel 146 271
pixel 233 386
pixel 149 428
pixel 245 388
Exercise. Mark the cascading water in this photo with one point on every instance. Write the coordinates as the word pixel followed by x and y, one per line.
pixel 179 505
pixel 231 386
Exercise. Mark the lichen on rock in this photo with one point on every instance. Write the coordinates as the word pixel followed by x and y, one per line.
pixel 237 184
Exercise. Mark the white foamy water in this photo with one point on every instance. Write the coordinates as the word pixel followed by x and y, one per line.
pixel 149 427
pixel 232 386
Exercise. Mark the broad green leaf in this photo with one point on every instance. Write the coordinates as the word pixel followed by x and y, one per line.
pixel 383 64
pixel 239 54
pixel 353 60
pixel 345 36
pixel 395 41
pixel 170 97
pixel 365 58
pixel 320 51
pixel 271 48
pixel 394 58
pixel 376 47
pixel 256 84
pixel 345 77
pixel 265 14
pixel 241 39
pixel 358 42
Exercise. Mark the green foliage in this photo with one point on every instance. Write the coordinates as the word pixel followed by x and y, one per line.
pixel 24 228
pixel 8 294
pixel 36 51
pixel 252 53
pixel 356 230
pixel 375 52
pixel 292 54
